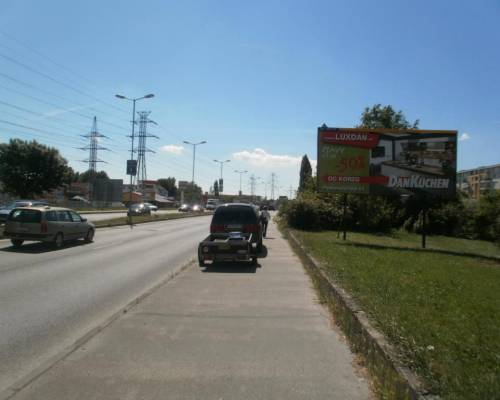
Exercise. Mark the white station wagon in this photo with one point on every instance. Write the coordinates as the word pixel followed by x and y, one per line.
pixel 47 224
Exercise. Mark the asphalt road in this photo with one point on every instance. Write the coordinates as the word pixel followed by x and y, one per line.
pixel 104 215
pixel 50 298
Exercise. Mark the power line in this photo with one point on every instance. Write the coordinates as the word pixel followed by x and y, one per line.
pixel 46 76
pixel 29 85
pixel 44 56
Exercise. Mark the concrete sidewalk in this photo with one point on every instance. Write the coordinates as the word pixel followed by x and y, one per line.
pixel 231 332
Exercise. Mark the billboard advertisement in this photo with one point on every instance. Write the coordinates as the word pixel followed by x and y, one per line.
pixel 387 161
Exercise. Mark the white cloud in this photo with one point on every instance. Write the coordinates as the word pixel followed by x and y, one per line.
pixel 464 136
pixel 260 157
pixel 172 148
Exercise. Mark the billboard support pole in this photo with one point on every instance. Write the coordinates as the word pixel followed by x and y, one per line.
pixel 344 211
pixel 342 219
pixel 424 228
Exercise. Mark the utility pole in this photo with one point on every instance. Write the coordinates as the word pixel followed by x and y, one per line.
pixel 141 148
pixel 241 173
pixel 94 136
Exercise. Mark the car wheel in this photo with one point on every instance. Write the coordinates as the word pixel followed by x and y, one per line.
pixel 201 261
pixel 89 237
pixel 17 242
pixel 59 241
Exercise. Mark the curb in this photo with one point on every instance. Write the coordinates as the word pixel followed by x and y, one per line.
pixel 15 388
pixel 111 225
pixel 393 380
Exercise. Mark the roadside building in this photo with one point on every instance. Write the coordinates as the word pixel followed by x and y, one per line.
pixel 474 182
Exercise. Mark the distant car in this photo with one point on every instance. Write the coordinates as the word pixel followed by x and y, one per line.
pixel 138 209
pixel 5 211
pixel 152 207
pixel 197 208
pixel 212 204
pixel 185 208
pixel 47 224
pixel 271 208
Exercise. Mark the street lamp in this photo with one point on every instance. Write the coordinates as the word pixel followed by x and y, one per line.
pixel 241 173
pixel 148 96
pixel 221 165
pixel 194 153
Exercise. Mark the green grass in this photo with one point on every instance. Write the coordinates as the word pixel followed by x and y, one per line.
pixel 414 241
pixel 442 311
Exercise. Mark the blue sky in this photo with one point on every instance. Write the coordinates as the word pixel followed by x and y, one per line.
pixel 253 79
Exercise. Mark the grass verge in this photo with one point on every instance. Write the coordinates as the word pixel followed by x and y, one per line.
pixel 439 310
pixel 145 218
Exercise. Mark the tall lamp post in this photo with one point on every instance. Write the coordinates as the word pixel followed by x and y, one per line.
pixel 148 96
pixel 241 173
pixel 194 153
pixel 221 165
pixel 133 172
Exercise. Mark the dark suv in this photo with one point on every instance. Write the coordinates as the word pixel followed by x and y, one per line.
pixel 236 217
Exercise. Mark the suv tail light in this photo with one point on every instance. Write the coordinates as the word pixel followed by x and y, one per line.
pixel 214 228
pixel 252 228
pixel 44 227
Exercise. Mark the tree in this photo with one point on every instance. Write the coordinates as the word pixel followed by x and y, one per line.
pixel 27 169
pixel 305 173
pixel 192 192
pixel 380 116
pixel 169 185
pixel 216 189
pixel 84 177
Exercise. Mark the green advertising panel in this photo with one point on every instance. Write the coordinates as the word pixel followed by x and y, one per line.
pixel 386 161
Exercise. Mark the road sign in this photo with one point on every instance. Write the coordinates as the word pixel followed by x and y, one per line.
pixel 132 167
pixel 387 161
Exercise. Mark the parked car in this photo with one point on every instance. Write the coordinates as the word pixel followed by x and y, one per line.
pixel 237 217
pixel 47 224
pixel 138 209
pixel 5 211
pixel 151 206
pixel 185 208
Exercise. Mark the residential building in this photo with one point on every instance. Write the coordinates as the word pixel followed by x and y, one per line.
pixel 474 182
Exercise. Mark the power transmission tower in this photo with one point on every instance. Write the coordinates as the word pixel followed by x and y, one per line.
pixel 252 185
pixel 273 185
pixel 142 148
pixel 94 136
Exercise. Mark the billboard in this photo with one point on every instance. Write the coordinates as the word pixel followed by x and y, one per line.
pixel 386 161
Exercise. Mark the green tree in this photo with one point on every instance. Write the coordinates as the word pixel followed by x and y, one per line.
pixel 216 189
pixel 192 193
pixel 379 116
pixel 27 169
pixel 305 173
pixel 84 177
pixel 169 185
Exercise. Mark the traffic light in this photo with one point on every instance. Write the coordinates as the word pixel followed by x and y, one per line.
pixel 221 185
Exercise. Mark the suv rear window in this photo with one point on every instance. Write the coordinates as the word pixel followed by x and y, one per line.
pixel 234 215
pixel 31 216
